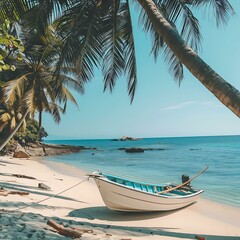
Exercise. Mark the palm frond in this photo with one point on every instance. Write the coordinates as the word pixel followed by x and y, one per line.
pixel 56 111
pixel 12 10
pixel 14 89
pixel 178 13
pixel 28 101
pixel 13 123
pixel 146 24
pixel 175 67
pixel 72 82
pixel 66 95
pixel 157 45
pixel 4 117
pixel 42 96
pixel 90 49
pixel 79 30
pixel 222 9
pixel 190 29
pixel 129 48
pixel 113 59
pixel 38 14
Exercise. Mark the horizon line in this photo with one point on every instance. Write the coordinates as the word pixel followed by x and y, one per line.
pixel 187 136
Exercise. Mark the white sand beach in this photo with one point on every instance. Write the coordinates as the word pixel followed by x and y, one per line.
pixel 25 217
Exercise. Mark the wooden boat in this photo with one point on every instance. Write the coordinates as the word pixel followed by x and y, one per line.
pixel 122 194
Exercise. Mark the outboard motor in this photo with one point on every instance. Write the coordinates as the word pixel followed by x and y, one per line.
pixel 185 178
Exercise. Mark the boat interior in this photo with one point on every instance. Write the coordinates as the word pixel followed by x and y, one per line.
pixel 151 188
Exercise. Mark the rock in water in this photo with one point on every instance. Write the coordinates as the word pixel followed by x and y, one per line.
pixel 134 150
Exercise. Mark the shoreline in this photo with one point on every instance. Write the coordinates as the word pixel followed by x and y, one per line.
pixel 73 171
pixel 83 205
pixel 41 149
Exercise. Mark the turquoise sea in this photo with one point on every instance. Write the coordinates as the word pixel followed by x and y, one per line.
pixel 167 161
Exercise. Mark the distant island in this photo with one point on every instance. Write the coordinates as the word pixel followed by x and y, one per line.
pixel 126 138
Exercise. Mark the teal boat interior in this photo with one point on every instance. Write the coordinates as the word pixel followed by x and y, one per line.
pixel 150 188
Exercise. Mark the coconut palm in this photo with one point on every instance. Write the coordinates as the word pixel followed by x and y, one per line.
pixel 12 120
pixel 9 117
pixel 36 85
pixel 99 33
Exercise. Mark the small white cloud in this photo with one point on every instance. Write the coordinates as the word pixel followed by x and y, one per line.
pixel 178 106
pixel 185 104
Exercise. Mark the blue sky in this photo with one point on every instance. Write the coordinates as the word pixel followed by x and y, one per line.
pixel 160 108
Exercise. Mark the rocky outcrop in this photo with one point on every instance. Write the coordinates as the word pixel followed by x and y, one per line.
pixel 126 138
pixel 20 152
pixel 134 150
pixel 144 149
pixel 43 149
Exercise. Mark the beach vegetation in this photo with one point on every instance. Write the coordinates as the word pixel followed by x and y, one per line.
pixel 11 47
pixel 31 134
pixel 34 87
pixel 9 117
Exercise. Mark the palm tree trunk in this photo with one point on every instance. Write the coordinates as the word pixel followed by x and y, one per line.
pixel 224 91
pixel 14 130
pixel 40 119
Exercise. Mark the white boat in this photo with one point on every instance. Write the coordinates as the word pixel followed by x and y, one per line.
pixel 121 194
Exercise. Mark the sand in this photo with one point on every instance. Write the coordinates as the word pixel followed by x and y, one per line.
pixel 25 217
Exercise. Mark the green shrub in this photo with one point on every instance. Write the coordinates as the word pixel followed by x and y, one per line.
pixel 31 134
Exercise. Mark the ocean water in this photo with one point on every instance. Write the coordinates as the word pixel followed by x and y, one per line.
pixel 167 161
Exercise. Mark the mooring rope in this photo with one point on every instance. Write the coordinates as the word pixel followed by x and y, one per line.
pixel 45 199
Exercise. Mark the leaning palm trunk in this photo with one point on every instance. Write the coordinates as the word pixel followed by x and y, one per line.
pixel 224 91
pixel 14 130
pixel 40 119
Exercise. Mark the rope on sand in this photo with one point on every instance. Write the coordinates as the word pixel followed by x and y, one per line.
pixel 45 199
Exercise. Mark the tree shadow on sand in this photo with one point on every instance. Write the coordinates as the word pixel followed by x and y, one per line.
pixel 148 231
pixel 35 190
pixel 35 224
pixel 4 163
pixel 13 207
pixel 103 213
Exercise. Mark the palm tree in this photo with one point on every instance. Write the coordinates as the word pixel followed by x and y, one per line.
pixel 14 126
pixel 99 33
pixel 36 86
pixel 9 117
pixel 224 91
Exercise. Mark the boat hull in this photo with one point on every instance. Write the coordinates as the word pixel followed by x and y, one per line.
pixel 121 198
